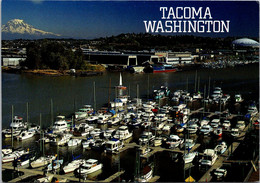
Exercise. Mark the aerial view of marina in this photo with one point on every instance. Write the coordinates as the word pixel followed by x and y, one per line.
pixel 121 91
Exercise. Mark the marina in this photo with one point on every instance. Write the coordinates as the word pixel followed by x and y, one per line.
pixel 163 115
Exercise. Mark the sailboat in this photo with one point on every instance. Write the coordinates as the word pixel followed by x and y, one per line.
pixel 120 86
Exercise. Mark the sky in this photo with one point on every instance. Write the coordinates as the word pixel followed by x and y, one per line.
pixel 93 19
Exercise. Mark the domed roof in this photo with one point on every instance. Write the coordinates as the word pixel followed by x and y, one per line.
pixel 246 42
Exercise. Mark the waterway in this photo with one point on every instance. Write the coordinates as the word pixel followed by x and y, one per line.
pixel 70 93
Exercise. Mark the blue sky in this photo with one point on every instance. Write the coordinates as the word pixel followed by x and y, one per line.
pixel 90 19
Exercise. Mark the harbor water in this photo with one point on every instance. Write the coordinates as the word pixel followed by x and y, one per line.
pixel 68 94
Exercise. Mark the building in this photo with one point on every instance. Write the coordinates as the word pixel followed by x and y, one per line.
pixel 12 61
pixel 175 57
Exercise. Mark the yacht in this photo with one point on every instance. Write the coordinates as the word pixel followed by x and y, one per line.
pixel 240 125
pixel 221 148
pixel 235 132
pixel 226 124
pixel 74 142
pixel 206 129
pixel 91 165
pixel 147 174
pixel 73 165
pixel 215 123
pixel 145 138
pixel 174 141
pixel 209 157
pixel 26 135
pixel 42 161
pixel 14 155
pixel 218 132
pixel 88 143
pixel 60 125
pixel 54 165
pixel 189 144
pixel 64 139
pixel 24 160
pixel 192 128
pixel 188 158
pixel 113 146
pixel 123 133
pixel 18 123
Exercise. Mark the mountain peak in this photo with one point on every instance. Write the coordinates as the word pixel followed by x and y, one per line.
pixel 22 30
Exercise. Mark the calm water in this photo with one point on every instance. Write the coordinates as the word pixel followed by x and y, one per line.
pixel 70 93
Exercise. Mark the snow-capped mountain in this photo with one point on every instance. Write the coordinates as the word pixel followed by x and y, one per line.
pixel 17 28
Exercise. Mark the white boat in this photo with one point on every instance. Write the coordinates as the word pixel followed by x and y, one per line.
pixel 61 141
pixel 60 125
pixel 206 129
pixel 113 146
pixel 108 133
pixel 18 123
pixel 220 173
pixel 123 133
pixel 238 98
pixel 14 155
pixel 91 165
pixel 174 141
pixel 54 165
pixel 90 141
pixel 26 135
pixel 226 124
pixel 215 123
pixel 192 128
pixel 240 125
pixel 6 151
pixel 45 179
pixel 114 121
pixel 235 132
pixel 83 112
pixel 218 132
pixel 221 148
pixel 73 165
pixel 204 122
pixel 144 150
pixel 102 119
pixel 188 158
pixel 42 161
pixel 209 157
pixel 145 138
pixel 189 144
pixel 166 128
pixel 8 132
pixel 146 174
pixel 74 142
pixel 95 132
pixel 92 119
pixel 157 141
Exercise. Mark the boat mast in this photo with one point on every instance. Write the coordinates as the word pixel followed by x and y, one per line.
pixel 27 111
pixel 12 127
pixel 52 112
pixel 109 93
pixel 195 87
pixel 94 88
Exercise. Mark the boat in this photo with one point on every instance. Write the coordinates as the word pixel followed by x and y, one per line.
pixel 122 133
pixel 73 165
pixel 145 138
pixel 95 132
pixel 221 148
pixel 18 123
pixel 157 141
pixel 174 141
pixel 114 121
pixel 108 133
pixel 6 151
pixel 192 128
pixel 8 132
pixel 120 86
pixel 206 129
pixel 226 124
pixel 188 158
pixel 60 125
pixel 83 112
pixel 92 119
pixel 189 144
pixel 54 165
pixel 26 135
pixel 215 123
pixel 240 125
pixel 158 68
pixel 46 178
pixel 91 165
pixel 235 132
pixel 90 141
pixel 113 146
pixel 24 160
pixel 99 145
pixel 14 155
pixel 144 151
pixel 74 142
pixel 146 174
pixel 218 132
pixel 42 161
pixel 220 173
pixel 63 140
pixel 238 98
pixel 209 157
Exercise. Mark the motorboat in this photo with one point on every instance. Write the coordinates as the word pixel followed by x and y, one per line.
pixel 74 142
pixel 6 151
pixel 14 155
pixel 26 135
pixel 235 132
pixel 215 123
pixel 220 173
pixel 114 121
pixel 146 174
pixel 99 145
pixel 226 124
pixel 92 119
pixel 157 141
pixel 24 160
pixel 146 137
pixel 108 133
pixel 42 161
pixel 240 125
pixel 113 146
pixel 46 178
pixel 18 123
pixel 144 150
pixel 189 144
pixel 180 127
pixel 174 141
pixel 206 129
pixel 204 121
pixel 209 157
pixel 91 165
pixel 166 128
pixel 8 132
pixel 218 132
pixel 122 133
pixel 221 148
pixel 73 165
pixel 60 125
pixel 188 158
pixel 238 98
pixel 83 112
pixel 63 140
pixel 192 128
pixel 54 165
pixel 95 132
pixel 90 141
